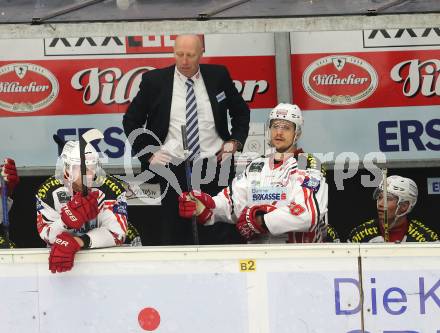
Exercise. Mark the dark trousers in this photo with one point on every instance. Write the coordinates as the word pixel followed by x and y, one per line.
pixel 175 230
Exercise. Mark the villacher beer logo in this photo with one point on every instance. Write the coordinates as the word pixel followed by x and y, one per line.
pixel 340 80
pixel 26 87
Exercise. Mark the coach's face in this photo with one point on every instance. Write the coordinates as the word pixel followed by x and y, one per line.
pixel 188 50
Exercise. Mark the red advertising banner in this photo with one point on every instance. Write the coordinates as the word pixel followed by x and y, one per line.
pixel 105 86
pixel 366 79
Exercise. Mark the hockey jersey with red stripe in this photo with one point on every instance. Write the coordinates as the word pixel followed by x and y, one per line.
pixel 300 197
pixel 108 229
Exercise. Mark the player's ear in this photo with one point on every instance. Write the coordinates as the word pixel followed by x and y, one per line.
pixel 403 207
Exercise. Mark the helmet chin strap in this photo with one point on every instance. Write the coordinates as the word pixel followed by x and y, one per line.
pixel 397 216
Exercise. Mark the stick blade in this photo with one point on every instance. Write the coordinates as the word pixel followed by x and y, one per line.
pixel 93 134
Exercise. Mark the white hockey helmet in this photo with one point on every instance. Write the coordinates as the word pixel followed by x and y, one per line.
pixel 289 112
pixel 69 161
pixel 405 189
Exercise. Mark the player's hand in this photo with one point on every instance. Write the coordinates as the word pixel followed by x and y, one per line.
pixel 62 253
pixel 198 203
pixel 250 222
pixel 80 210
pixel 228 149
pixel 9 174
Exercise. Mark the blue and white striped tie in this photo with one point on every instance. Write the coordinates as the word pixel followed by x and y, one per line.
pixel 192 124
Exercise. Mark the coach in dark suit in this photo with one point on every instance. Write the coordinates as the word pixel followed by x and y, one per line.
pixel 164 102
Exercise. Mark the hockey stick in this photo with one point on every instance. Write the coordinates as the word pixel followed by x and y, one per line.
pixel 5 207
pixel 86 138
pixel 386 230
pixel 186 152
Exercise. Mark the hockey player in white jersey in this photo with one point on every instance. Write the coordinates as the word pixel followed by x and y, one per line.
pixel 10 179
pixel 272 201
pixel 68 221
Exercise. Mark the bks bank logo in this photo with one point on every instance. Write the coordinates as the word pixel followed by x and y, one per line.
pixel 340 80
pixel 26 87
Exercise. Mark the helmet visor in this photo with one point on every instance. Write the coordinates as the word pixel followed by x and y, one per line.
pixel 378 195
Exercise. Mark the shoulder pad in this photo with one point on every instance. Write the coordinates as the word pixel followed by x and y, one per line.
pixel 355 234
pixel 48 186
pixel 432 235
pixel 112 187
pixel 332 235
pixel 312 163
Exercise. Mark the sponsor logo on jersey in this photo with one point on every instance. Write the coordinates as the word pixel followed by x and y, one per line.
pixel 39 205
pixel 256 167
pixel 63 197
pixel 311 183
pixel 366 230
pixel 331 233
pixel 340 80
pixel 112 185
pixel 268 194
pixel 47 186
pixel 120 208
pixel 268 197
pixel 26 87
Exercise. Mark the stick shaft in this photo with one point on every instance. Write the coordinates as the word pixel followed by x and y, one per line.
pixel 82 149
pixel 195 231
pixel 386 230
pixel 5 207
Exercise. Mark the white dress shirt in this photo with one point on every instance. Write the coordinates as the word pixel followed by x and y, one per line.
pixel 210 141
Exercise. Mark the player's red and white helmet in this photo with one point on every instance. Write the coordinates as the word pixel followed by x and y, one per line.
pixel 69 162
pixel 405 189
pixel 289 112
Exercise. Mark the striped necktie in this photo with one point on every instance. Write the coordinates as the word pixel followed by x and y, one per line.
pixel 192 124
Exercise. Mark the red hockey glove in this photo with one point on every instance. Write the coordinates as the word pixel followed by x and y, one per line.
pixel 9 174
pixel 80 210
pixel 247 224
pixel 62 253
pixel 198 203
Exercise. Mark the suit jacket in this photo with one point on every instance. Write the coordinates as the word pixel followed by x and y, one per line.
pixel 152 106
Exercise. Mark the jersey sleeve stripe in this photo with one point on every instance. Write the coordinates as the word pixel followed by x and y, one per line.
pixel 121 223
